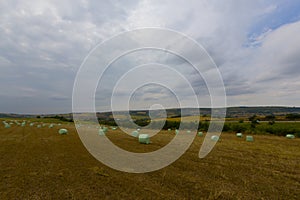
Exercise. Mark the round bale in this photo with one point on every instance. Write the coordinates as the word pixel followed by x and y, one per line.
pixel 144 139
pixel 105 129
pixel 290 136
pixel 249 138
pixel 135 133
pixel 63 131
pixel 101 132
pixel 200 133
pixel 239 135
pixel 215 138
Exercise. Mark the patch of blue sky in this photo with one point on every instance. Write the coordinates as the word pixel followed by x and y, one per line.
pixel 285 12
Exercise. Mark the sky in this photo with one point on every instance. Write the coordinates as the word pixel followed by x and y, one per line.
pixel 254 44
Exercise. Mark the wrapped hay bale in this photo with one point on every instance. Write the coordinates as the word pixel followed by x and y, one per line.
pixel 7 125
pixel 135 133
pixel 31 124
pixel 239 135
pixel 200 133
pixel 51 126
pixel 105 129
pixel 144 139
pixel 290 136
pixel 214 138
pixel 169 129
pixel 23 124
pixel 63 131
pixel 101 132
pixel 176 131
pixel 188 131
pixel 39 126
pixel 249 138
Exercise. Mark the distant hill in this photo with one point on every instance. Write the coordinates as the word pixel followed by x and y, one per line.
pixel 11 115
pixel 266 110
pixel 232 112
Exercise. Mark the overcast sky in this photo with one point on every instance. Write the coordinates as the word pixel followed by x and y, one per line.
pixel 255 44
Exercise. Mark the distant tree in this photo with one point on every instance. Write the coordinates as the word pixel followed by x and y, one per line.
pixel 292 116
pixel 270 117
pixel 271 122
pixel 254 121
pixel 38 116
pixel 253 125
pixel 252 118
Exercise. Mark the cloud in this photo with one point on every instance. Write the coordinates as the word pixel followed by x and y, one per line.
pixel 255 45
pixel 280 52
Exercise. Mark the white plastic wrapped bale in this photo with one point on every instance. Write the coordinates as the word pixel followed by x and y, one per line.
pixel 63 131
pixel 169 129
pixel 105 129
pixel 7 125
pixel 239 135
pixel 101 132
pixel 249 138
pixel 290 136
pixel 39 126
pixel 144 139
pixel 51 126
pixel 200 133
pixel 214 138
pixel 176 131
pixel 135 133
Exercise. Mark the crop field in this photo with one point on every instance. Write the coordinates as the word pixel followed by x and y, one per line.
pixel 39 163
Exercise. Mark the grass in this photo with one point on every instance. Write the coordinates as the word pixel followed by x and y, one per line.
pixel 38 163
pixel 279 128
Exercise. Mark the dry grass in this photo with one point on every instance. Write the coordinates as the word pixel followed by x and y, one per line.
pixel 38 163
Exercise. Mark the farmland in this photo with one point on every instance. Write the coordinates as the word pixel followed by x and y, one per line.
pixel 38 163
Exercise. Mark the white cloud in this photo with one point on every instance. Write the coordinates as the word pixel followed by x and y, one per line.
pixel 45 42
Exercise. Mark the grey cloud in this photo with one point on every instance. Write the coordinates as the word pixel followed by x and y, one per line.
pixel 43 44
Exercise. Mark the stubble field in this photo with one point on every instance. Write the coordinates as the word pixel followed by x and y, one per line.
pixel 38 163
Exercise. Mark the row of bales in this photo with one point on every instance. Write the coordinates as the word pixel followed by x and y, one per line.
pixel 142 137
pixel 23 123
pixel 249 138
pixel 145 138
pixel 13 122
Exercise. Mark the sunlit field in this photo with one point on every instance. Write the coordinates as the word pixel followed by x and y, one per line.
pixel 39 163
